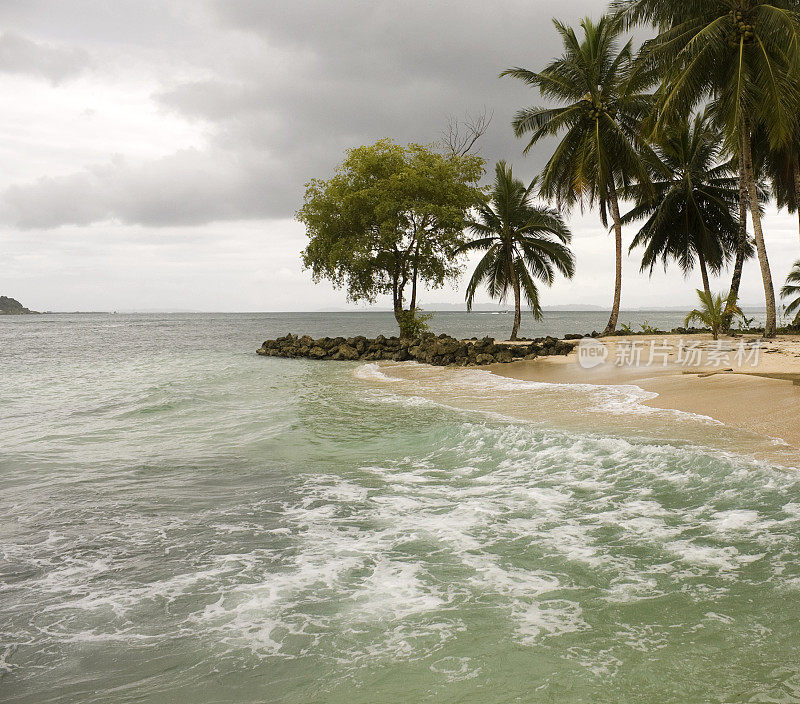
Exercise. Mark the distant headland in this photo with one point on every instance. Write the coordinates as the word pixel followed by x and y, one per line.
pixel 11 306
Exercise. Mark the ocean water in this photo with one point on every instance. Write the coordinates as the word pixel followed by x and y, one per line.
pixel 184 521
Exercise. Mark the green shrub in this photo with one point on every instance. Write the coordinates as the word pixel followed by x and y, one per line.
pixel 413 323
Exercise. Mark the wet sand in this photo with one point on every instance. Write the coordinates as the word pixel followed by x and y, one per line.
pixel 759 393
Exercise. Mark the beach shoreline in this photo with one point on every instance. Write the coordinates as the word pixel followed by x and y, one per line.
pixel 728 381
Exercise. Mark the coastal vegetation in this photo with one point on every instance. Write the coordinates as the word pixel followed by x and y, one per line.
pixel 602 96
pixel 522 242
pixel 741 59
pixel 690 204
pixel 693 133
pixel 11 306
pixel 791 290
pixel 391 219
pixel 782 167
pixel 713 311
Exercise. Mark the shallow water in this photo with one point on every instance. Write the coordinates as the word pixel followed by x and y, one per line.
pixel 185 521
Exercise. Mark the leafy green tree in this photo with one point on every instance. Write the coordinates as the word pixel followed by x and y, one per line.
pixel 740 56
pixel 391 218
pixel 712 312
pixel 690 218
pixel 602 97
pixel 522 242
pixel 791 289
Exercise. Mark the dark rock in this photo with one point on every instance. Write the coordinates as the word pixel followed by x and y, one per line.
pixel 446 346
pixel 443 350
pixel 348 352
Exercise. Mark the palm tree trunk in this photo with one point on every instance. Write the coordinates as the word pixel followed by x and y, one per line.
pixel 517 293
pixel 517 311
pixel 755 213
pixel 704 273
pixel 612 321
pixel 797 186
pixel 741 246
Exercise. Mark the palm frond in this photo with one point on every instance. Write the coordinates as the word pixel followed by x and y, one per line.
pixel 520 237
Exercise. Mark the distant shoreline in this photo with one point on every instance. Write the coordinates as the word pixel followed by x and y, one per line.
pixel 623 313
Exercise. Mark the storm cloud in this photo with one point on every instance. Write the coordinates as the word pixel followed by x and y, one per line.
pixel 281 91
pixel 21 55
pixel 155 151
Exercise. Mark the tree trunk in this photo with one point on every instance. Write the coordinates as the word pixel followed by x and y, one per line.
pixel 741 245
pixel 413 306
pixel 398 316
pixel 517 293
pixel 797 186
pixel 755 213
pixel 397 304
pixel 612 321
pixel 704 273
pixel 517 311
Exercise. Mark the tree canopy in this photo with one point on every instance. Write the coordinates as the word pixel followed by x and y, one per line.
pixel 742 58
pixel 602 97
pixel 391 217
pixel 522 242
pixel 692 216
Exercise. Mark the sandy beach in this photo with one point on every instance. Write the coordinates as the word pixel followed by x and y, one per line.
pixel 744 382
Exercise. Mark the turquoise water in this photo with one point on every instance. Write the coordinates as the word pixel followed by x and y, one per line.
pixel 183 521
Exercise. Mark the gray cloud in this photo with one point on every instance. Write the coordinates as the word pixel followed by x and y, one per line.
pixel 242 102
pixel 191 187
pixel 19 54
pixel 287 87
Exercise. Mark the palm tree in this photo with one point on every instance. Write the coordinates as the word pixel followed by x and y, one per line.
pixel 742 57
pixel 522 241
pixel 713 311
pixel 690 217
pixel 602 98
pixel 782 167
pixel 792 288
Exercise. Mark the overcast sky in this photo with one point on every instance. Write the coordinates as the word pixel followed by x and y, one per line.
pixel 154 151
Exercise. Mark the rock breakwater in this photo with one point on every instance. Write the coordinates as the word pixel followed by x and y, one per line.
pixel 429 349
